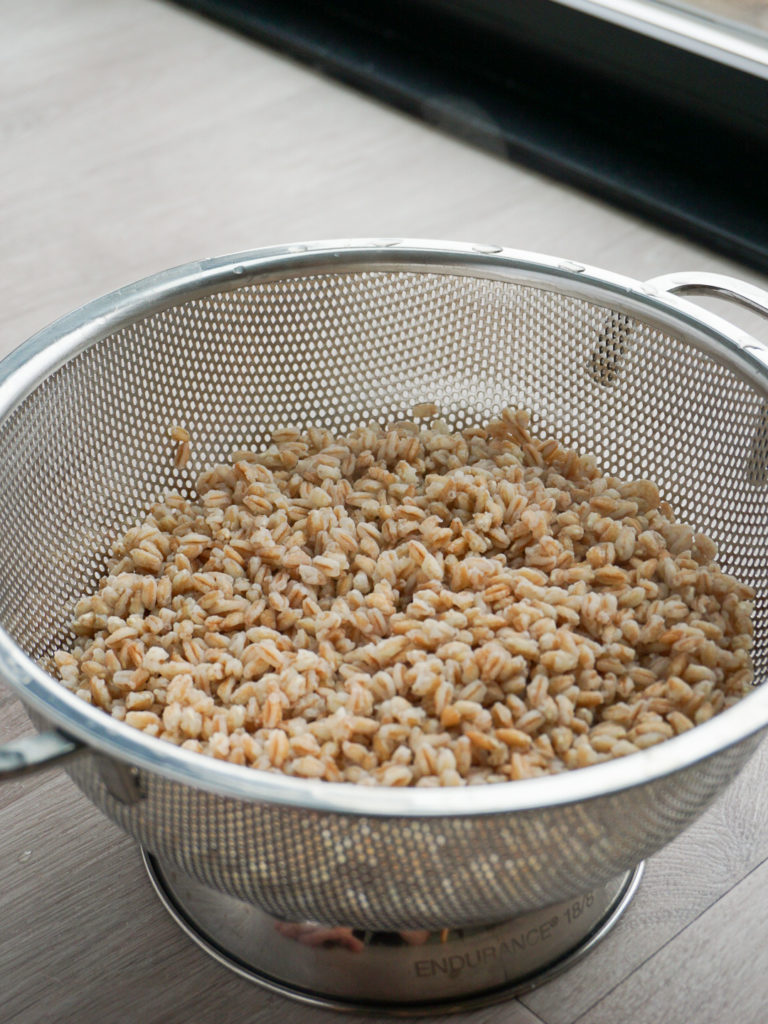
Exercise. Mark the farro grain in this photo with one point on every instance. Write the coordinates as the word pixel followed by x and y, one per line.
pixel 409 606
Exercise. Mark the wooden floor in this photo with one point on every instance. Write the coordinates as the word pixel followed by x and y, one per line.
pixel 134 137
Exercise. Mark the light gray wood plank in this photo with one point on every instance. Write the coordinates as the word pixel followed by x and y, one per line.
pixel 13 725
pixel 679 884
pixel 7 696
pixel 137 136
pixel 708 972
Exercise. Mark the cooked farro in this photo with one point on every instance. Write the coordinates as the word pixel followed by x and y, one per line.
pixel 409 606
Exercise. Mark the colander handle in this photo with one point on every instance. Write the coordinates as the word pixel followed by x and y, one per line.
pixel 33 753
pixel 694 282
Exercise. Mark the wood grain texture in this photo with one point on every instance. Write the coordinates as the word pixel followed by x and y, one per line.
pixel 703 973
pixel 135 137
pixel 13 725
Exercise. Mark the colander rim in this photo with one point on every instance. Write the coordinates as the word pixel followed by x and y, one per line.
pixel 28 365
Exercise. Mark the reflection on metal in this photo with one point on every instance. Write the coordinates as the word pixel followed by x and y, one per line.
pixel 685 30
pixel 606 357
pixel 122 781
pixel 757 463
pixel 717 286
pixel 33 753
pixel 408 972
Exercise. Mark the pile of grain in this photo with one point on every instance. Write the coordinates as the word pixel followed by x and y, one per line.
pixel 410 606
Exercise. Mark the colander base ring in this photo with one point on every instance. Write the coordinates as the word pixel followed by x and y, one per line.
pixel 409 973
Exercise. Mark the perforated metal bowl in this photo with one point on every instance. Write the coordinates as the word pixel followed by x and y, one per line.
pixel 335 334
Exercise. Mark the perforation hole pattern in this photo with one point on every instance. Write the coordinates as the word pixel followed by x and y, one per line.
pixel 89 449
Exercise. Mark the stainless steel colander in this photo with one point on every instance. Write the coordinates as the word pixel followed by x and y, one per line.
pixel 337 334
